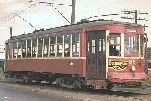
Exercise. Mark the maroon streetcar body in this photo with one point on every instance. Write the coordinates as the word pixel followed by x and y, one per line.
pixel 99 53
pixel 48 65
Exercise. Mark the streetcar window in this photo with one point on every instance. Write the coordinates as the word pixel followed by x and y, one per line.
pixel 115 44
pixel 52 40
pixel 88 44
pixel 19 49
pixel 131 45
pixel 141 44
pixel 52 46
pixel 59 50
pixel 40 44
pixel 67 39
pixel 93 45
pixel 115 39
pixel 75 45
pixel 24 49
pixel 15 49
pixel 28 48
pixel 101 44
pixel 34 47
pixel 52 50
pixel 59 39
pixel 46 46
pixel 59 45
pixel 10 50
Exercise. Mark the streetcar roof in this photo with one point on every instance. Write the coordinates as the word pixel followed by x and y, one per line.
pixel 71 27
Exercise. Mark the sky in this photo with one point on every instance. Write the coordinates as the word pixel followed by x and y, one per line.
pixel 24 16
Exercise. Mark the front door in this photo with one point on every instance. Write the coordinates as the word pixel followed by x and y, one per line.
pixel 96 54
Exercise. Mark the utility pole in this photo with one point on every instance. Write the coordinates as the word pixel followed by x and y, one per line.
pixel 135 13
pixel 11 32
pixel 73 12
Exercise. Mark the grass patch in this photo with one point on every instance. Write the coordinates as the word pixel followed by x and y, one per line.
pixel 1 73
pixel 148 82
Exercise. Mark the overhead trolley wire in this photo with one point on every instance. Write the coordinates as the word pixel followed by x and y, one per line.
pixel 102 7
pixel 12 15
pixel 51 4
pixel 25 21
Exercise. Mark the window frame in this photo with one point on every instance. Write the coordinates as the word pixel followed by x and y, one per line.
pixel 29 46
pixel 67 50
pixel 113 48
pixel 131 54
pixel 77 42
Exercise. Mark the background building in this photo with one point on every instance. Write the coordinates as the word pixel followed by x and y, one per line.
pixel 2 55
pixel 149 57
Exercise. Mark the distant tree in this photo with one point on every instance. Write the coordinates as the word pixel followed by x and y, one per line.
pixel 149 53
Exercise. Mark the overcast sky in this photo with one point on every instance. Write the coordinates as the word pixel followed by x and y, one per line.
pixel 44 16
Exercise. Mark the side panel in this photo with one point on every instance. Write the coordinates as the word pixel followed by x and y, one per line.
pixel 126 70
pixel 65 66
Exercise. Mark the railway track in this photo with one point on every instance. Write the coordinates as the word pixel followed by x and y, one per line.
pixel 144 89
pixel 117 94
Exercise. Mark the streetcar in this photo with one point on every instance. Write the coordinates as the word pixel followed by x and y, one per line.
pixel 100 53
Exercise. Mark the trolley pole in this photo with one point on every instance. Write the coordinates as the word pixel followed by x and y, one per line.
pixel 73 12
pixel 10 32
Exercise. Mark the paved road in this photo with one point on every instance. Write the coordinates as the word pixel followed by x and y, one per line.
pixel 11 94
pixel 17 92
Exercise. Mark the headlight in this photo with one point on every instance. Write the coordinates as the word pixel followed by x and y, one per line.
pixel 133 68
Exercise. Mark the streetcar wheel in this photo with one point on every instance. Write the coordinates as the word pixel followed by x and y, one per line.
pixel 110 86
